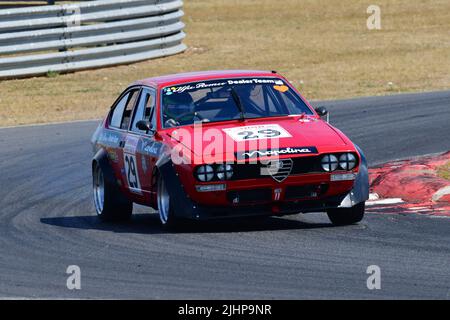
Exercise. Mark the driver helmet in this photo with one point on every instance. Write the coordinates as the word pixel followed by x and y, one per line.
pixel 177 104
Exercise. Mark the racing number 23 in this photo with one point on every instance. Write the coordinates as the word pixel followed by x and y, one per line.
pixel 131 172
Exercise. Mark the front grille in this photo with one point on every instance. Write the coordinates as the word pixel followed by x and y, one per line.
pixel 306 165
pixel 258 170
pixel 247 171
pixel 300 165
pixel 307 191
pixel 255 195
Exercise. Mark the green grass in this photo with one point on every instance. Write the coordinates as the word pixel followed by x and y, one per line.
pixel 444 171
pixel 52 74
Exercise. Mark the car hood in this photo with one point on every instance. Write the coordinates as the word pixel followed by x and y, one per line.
pixel 228 140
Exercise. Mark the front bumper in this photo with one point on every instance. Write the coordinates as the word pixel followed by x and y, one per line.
pixel 338 194
pixel 199 212
pixel 267 190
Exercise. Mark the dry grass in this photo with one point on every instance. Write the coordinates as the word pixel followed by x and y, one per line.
pixel 444 171
pixel 324 47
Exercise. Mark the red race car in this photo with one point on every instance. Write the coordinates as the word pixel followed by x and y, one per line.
pixel 222 144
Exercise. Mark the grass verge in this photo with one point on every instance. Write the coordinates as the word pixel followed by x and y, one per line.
pixel 444 171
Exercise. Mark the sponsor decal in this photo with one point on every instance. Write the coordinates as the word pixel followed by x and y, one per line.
pixel 275 152
pixel 144 164
pixel 202 85
pixel 257 132
pixel 131 144
pixel 277 194
pixel 254 81
pixel 281 88
pixel 109 138
pixel 112 155
pixel 152 148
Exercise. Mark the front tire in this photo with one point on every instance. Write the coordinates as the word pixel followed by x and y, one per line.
pixel 346 216
pixel 110 205
pixel 165 207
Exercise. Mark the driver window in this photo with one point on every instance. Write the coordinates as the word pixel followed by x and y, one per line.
pixel 144 108
pixel 178 109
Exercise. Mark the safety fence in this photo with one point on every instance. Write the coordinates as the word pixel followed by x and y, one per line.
pixel 66 37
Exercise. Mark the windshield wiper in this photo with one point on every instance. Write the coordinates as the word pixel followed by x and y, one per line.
pixel 238 102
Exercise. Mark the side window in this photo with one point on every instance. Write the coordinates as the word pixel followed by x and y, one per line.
pixel 129 109
pixel 116 117
pixel 150 109
pixel 144 108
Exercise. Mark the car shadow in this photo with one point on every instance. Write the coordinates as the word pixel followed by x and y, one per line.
pixel 149 224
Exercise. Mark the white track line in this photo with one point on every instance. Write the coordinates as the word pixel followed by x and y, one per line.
pixel 373 196
pixel 418 208
pixel 440 193
pixel 384 201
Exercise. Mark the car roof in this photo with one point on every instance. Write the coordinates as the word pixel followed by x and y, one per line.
pixel 172 79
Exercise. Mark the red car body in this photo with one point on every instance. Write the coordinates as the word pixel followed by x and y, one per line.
pixel 133 161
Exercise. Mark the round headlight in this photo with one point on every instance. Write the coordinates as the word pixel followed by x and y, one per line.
pixel 205 173
pixel 347 161
pixel 329 162
pixel 224 171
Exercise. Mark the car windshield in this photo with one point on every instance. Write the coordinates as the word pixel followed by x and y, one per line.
pixel 228 99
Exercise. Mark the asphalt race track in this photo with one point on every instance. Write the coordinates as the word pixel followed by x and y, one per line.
pixel 48 223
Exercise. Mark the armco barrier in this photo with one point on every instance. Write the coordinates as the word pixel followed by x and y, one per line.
pixel 35 40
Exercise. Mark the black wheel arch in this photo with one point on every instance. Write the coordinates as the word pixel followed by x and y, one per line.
pixel 101 159
pixel 361 186
pixel 183 206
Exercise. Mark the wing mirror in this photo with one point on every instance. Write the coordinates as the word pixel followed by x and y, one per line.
pixel 322 111
pixel 144 125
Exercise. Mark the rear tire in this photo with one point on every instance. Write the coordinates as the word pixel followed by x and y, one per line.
pixel 346 216
pixel 165 207
pixel 109 204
